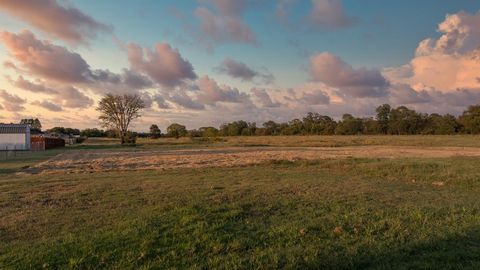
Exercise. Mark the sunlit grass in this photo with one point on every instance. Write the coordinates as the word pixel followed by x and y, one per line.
pixel 330 214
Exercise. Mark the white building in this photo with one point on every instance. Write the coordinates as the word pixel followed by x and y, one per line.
pixel 14 137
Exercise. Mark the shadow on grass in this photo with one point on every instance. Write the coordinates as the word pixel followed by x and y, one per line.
pixel 461 251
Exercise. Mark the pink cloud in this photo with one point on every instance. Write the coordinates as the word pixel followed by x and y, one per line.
pixel 51 106
pixel 209 92
pixel 329 14
pixel 226 24
pixel 12 102
pixel 32 87
pixel 448 63
pixel 163 64
pixel 64 22
pixel 44 59
pixel 334 72
pixel 240 70
pixel 67 96
pixel 263 98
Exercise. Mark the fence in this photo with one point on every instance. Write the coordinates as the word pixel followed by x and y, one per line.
pixel 36 144
pixel 10 152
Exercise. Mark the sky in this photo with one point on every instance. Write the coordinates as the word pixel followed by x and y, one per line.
pixel 207 62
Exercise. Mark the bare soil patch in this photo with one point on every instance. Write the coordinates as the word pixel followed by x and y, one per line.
pixel 110 160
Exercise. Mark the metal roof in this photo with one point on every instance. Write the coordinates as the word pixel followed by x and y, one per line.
pixel 13 129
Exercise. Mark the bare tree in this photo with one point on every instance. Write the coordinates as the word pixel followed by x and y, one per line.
pixel 117 112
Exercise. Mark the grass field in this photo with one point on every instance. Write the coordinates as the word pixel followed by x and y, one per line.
pixel 336 213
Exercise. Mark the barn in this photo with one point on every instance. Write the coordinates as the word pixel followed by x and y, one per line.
pixel 14 137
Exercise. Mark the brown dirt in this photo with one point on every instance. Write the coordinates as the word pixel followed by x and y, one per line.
pixel 93 161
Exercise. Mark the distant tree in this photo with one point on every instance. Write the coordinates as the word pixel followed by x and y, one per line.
pixel 383 117
pixel 72 131
pixel 349 125
pixel 66 131
pixel 155 131
pixel 316 124
pixel 176 130
pixel 93 132
pixel 250 130
pixel 194 133
pixel 370 126
pixel 441 124
pixel 271 128
pixel 117 112
pixel 470 119
pixel 238 128
pixel 208 131
pixel 403 121
pixel 295 127
pixel 260 132
pixel 35 125
pixel 60 130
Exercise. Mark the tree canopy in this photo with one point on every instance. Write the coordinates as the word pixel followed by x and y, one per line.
pixel 118 111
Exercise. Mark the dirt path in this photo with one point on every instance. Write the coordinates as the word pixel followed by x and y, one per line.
pixel 93 161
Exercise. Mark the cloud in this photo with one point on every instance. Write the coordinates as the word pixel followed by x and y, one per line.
pixel 263 98
pixel 209 92
pixel 127 82
pixel 44 59
pixel 406 95
pixel 460 34
pixel 163 64
pixel 315 98
pixel 32 87
pixel 11 102
pixel 161 102
pixel 448 63
pixel 226 24
pixel 65 22
pixel 48 105
pixel 71 97
pixel 59 65
pixel 133 79
pixel 67 96
pixel 239 70
pixel 185 101
pixel 334 72
pixel 328 14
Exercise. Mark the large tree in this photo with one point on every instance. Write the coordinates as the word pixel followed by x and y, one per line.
pixel 34 124
pixel 155 132
pixel 118 111
pixel 176 130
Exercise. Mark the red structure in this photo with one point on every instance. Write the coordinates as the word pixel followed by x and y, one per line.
pixel 44 143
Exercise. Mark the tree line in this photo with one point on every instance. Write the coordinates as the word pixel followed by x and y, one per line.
pixel 388 121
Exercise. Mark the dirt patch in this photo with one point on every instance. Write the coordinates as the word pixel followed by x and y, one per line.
pixel 93 161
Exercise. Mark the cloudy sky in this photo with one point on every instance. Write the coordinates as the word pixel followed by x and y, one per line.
pixel 206 62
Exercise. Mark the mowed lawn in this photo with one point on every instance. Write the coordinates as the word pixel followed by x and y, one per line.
pixel 326 214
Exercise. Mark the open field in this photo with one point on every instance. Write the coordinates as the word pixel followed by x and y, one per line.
pixel 364 202
pixel 115 160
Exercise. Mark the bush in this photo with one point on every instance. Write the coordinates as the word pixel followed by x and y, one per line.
pixel 129 139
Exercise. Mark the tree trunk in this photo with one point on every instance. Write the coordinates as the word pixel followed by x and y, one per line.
pixel 123 135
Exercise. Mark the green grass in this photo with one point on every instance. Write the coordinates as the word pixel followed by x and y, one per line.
pixel 330 214
pixel 24 160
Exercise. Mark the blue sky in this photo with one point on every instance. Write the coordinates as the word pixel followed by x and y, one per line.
pixel 372 42
pixel 386 34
